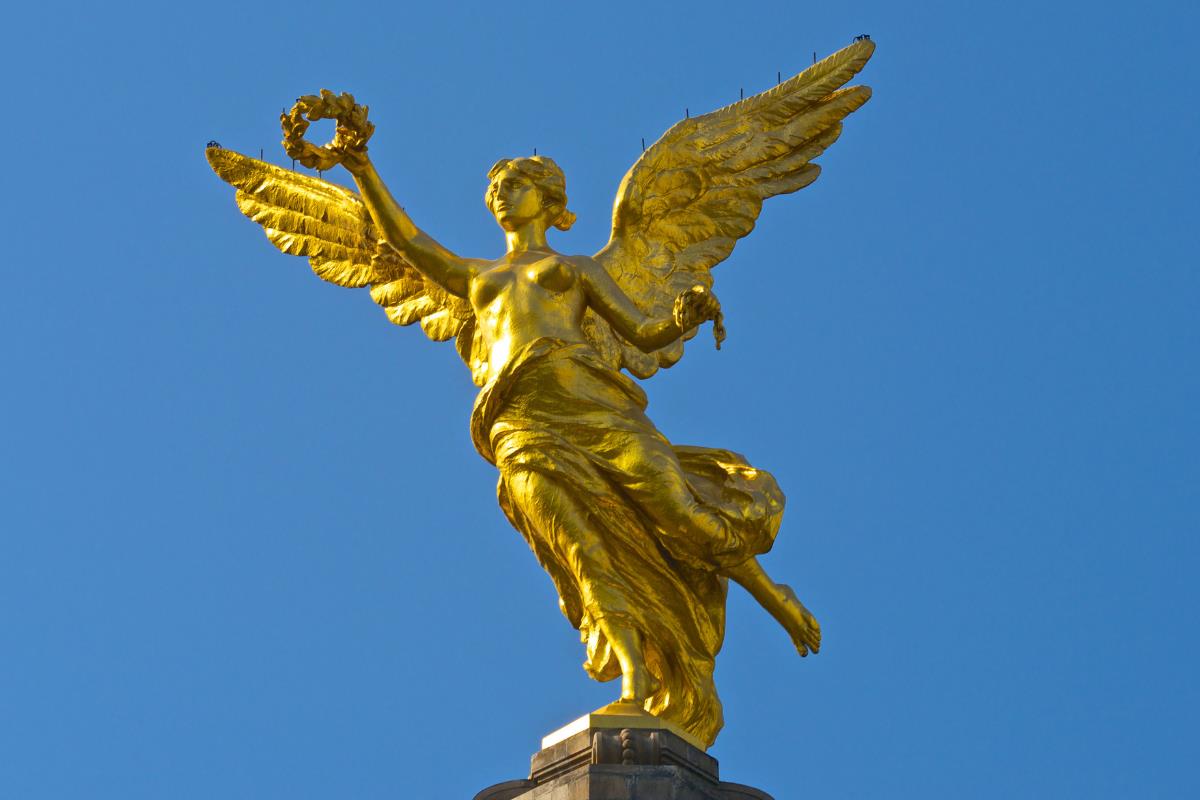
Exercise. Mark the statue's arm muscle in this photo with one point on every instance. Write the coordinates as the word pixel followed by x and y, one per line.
pixel 616 307
pixel 450 271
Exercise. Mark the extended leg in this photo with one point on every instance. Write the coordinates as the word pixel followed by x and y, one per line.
pixel 781 603
pixel 685 524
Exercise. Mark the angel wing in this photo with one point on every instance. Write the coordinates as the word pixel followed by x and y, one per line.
pixel 304 216
pixel 684 204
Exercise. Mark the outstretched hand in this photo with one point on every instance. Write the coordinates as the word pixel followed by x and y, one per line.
pixel 697 305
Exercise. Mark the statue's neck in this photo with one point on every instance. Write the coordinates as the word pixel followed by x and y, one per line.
pixel 531 236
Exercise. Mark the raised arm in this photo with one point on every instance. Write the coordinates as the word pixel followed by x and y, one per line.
pixel 646 333
pixel 349 148
pixel 437 263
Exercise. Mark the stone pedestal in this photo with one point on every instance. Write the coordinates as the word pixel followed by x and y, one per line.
pixel 621 754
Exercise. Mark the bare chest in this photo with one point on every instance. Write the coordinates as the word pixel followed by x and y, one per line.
pixel 527 279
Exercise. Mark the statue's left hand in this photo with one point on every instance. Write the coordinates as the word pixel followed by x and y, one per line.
pixel 697 305
pixel 349 145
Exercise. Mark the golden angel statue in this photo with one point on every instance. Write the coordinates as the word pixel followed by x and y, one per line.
pixel 639 536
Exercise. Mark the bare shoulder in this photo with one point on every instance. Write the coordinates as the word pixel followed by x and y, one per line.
pixel 585 265
pixel 478 266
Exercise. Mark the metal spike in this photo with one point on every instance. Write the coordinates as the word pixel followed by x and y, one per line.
pixel 778 78
pixel 643 144
pixel 741 93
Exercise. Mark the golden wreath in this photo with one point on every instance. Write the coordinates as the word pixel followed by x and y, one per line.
pixel 353 129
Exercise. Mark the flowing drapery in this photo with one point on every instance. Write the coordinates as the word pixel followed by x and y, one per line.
pixel 558 412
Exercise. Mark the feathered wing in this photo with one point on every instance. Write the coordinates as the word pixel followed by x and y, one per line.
pixel 681 208
pixel 304 216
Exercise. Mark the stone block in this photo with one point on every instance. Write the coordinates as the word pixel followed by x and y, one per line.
pixel 602 763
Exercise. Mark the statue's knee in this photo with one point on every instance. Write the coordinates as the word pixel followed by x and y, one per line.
pixel 674 510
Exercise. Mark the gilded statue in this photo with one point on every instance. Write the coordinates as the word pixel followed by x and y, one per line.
pixel 639 536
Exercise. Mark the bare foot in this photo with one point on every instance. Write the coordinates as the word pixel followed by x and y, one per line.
pixel 781 603
pixel 799 623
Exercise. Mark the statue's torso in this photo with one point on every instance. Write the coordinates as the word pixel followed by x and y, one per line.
pixel 525 298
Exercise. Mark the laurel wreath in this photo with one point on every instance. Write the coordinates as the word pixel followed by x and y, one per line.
pixel 349 140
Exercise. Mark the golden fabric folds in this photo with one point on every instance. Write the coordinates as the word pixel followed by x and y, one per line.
pixel 584 476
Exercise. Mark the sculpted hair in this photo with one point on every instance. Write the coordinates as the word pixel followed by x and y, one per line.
pixel 548 177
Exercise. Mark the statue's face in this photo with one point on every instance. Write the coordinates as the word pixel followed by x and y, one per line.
pixel 514 200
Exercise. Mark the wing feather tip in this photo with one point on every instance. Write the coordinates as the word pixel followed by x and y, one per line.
pixel 223 156
pixel 219 159
pixel 848 61
pixel 865 46
pixel 858 50
pixel 861 93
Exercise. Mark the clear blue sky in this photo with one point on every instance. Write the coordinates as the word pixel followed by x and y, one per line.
pixel 247 549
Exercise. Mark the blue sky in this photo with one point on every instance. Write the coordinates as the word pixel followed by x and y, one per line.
pixel 247 549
